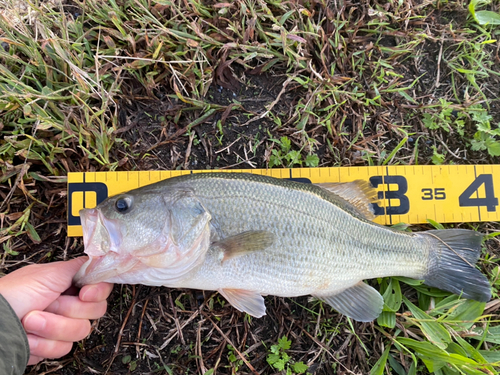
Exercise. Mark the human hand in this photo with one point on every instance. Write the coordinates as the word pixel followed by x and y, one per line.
pixel 51 319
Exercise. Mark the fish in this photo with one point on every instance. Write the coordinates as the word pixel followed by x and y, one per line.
pixel 248 236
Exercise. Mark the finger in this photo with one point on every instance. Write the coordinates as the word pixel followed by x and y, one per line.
pixel 55 327
pixel 34 360
pixel 41 348
pixel 72 307
pixel 62 273
pixel 96 293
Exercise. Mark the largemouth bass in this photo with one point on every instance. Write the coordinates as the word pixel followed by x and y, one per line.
pixel 249 235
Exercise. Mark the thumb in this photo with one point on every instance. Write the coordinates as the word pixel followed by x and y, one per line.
pixel 58 276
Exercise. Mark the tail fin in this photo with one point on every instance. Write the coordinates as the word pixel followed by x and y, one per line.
pixel 452 264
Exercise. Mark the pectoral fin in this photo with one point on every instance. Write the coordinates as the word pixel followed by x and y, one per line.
pixel 246 301
pixel 244 243
pixel 360 302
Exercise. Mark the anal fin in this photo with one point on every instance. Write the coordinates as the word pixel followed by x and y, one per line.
pixel 246 301
pixel 360 302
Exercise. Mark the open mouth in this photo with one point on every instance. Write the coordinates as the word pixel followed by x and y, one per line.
pixel 106 268
pixel 102 239
pixel 89 218
pixel 100 234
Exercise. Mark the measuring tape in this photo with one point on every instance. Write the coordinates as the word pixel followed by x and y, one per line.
pixel 408 194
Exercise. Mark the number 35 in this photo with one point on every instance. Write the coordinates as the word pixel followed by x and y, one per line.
pixel 430 194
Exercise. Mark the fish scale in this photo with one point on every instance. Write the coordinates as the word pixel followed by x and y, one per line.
pixel 251 235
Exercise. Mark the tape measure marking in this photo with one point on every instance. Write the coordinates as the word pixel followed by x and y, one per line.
pixel 409 194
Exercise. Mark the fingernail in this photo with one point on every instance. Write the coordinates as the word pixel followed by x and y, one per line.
pixel 34 322
pixel 89 294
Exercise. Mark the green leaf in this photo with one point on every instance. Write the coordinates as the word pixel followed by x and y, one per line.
pixel 284 343
pixel 286 144
pixel 429 121
pixel 474 353
pixel 279 365
pixel 294 157
pixel 32 233
pixel 285 357
pixel 272 358
pixel 378 368
pixel 484 126
pixel 486 17
pixel 400 226
pixel 299 367
pixel 392 296
pixel 168 370
pixel 492 334
pixel 435 224
pixel 466 313
pixel 396 366
pixel 493 146
pixel 431 352
pixel 209 372
pixel 437 158
pixel 455 348
pixel 275 349
pixel 387 319
pixel 433 330
pixel 472 9
pixel 490 355
pixel 407 280
pixel 312 161
pixel 433 366
pixel 179 304
pixel 413 369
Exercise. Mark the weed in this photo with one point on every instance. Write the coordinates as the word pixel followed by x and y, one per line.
pixel 127 360
pixel 437 158
pixel 234 360
pixel 285 156
pixel 280 360
pixel 450 118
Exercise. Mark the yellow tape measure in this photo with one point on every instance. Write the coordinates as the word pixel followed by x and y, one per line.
pixel 409 194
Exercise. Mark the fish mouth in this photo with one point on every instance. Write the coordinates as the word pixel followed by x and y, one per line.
pixel 89 218
pixel 106 268
pixel 100 235
pixel 102 239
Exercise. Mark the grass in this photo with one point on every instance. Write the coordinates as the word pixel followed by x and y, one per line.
pixel 124 85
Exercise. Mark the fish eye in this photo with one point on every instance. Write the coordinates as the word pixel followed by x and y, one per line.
pixel 122 205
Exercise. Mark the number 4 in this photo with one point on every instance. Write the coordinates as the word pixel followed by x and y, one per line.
pixel 490 201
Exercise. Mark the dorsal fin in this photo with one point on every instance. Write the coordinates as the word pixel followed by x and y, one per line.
pixel 359 193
